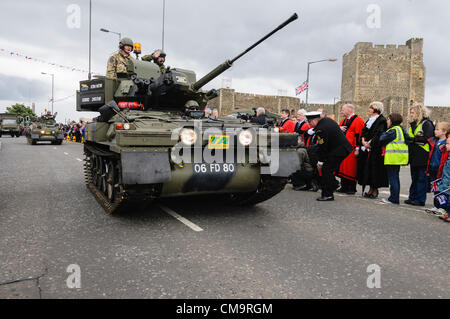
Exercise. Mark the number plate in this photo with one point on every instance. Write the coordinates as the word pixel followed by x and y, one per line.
pixel 48 133
pixel 219 142
pixel 214 168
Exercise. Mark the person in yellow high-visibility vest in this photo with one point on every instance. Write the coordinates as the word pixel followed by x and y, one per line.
pixel 421 129
pixel 396 140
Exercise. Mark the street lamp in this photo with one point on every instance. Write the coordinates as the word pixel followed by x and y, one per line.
pixel 334 104
pixel 307 76
pixel 108 31
pixel 53 86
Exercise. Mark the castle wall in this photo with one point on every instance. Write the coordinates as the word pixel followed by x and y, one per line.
pixel 375 72
pixel 228 100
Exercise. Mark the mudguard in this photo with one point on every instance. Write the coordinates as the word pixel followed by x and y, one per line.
pixel 145 168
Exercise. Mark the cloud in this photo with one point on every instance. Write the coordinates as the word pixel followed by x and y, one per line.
pixel 18 88
pixel 200 34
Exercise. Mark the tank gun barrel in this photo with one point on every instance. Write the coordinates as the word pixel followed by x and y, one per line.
pixel 229 63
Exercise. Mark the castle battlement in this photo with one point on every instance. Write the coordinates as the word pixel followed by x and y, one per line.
pixel 374 72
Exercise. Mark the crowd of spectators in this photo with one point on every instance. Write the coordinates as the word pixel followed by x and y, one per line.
pixel 74 130
pixel 381 146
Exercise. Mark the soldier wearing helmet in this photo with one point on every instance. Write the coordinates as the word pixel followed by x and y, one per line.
pixel 158 57
pixel 117 63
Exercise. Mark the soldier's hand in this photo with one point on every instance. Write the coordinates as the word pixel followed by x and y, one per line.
pixel 156 53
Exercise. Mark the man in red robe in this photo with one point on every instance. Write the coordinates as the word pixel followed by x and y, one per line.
pixel 286 125
pixel 352 126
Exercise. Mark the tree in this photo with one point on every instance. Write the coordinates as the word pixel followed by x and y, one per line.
pixel 20 110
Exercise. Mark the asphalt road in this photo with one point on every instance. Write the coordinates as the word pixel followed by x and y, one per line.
pixel 288 247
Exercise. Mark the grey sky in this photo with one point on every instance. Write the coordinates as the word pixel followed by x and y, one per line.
pixel 203 33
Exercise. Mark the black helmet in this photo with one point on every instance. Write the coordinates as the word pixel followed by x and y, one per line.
pixel 125 41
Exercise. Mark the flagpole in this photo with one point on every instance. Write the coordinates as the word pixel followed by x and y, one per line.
pixel 53 88
pixel 163 23
pixel 307 90
pixel 90 37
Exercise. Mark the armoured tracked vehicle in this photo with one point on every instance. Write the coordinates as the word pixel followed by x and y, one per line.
pixel 44 128
pixel 152 140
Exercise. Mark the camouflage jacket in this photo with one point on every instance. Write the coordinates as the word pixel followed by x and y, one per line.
pixel 151 58
pixel 117 63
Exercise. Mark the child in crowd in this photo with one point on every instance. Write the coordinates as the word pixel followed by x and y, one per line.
pixel 445 183
pixel 437 157
pixel 396 140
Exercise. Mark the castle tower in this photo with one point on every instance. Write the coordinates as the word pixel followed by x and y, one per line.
pixel 373 73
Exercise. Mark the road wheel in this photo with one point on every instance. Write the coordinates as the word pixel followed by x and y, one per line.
pixel 104 177
pixel 33 142
pixel 96 170
pixel 17 134
pixel 12 134
pixel 112 182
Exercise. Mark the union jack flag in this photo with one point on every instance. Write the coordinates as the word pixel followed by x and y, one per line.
pixel 301 88
pixel 435 184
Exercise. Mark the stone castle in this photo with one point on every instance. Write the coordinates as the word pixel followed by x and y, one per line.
pixel 394 75
pixel 378 72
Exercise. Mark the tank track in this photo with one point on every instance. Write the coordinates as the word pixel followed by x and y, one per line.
pixel 269 187
pixel 120 199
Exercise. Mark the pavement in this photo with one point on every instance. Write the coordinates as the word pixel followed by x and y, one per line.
pixel 57 242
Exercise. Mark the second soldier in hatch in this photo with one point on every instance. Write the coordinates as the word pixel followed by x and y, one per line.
pixel 158 57
pixel 117 63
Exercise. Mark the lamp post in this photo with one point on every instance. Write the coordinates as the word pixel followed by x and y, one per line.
pixel 109 31
pixel 53 86
pixel 307 76
pixel 163 23
pixel 334 104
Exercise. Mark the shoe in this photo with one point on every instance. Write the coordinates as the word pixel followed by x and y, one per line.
pixel 301 188
pixel 350 192
pixel 367 195
pixel 445 218
pixel 435 211
pixel 387 201
pixel 325 198
pixel 341 190
pixel 408 201
pixel 417 204
pixel 440 212
pixel 432 210
pixel 314 187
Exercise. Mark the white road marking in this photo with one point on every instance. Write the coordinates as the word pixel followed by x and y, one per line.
pixel 188 223
pixel 79 160
pixel 66 153
pixel 0 146
pixel 54 148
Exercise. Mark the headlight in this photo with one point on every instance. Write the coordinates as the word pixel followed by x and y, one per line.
pixel 245 137
pixel 42 132
pixel 276 129
pixel 53 132
pixel 188 136
pixel 126 126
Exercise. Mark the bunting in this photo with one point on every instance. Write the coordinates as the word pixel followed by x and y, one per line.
pixel 38 60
